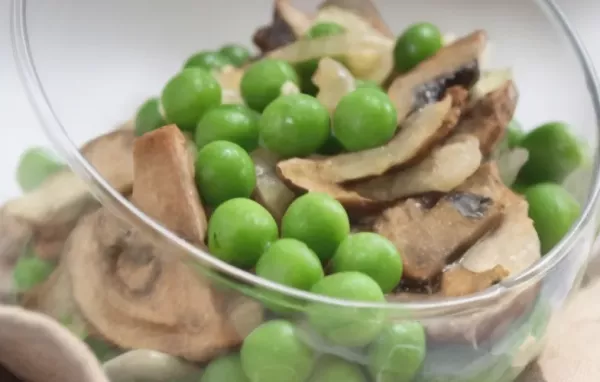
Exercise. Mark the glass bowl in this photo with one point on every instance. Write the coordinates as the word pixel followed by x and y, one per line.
pixel 87 66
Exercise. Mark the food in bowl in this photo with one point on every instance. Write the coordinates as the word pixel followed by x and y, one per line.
pixel 340 161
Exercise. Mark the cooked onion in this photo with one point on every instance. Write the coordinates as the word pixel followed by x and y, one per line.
pixel 367 56
pixel 334 81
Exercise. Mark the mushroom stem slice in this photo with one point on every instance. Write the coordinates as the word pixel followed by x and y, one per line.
pixel 416 137
pixel 488 118
pixel 431 239
pixel 454 65
pixel 459 281
pixel 445 169
pixel 270 191
pixel 164 186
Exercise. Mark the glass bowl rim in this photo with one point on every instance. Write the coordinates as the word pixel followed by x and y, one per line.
pixel 121 207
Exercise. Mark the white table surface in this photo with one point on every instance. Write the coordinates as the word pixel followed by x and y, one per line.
pixel 19 128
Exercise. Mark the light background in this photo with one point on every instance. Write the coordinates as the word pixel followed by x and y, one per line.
pixel 19 128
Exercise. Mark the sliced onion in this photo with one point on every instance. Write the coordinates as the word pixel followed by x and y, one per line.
pixel 367 56
pixel 334 81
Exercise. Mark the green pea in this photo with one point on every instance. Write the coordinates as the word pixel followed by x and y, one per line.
pixel 273 352
pixel 553 154
pixel 367 84
pixel 514 134
pixel 237 54
pixel 334 369
pixel 31 271
pixel 319 221
pixel 233 123
pixel 239 232
pixel 207 60
pixel 224 171
pixel 294 125
pixel 290 262
pixel 262 82
pixel 188 96
pixel 332 146
pixel 371 254
pixel 399 351
pixel 324 29
pixel 519 188
pixel 225 369
pixel 149 117
pixel 307 69
pixel 553 211
pixel 419 42
pixel 364 119
pixel 35 166
pixel 347 326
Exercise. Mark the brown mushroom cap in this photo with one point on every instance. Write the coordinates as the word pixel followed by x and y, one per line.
pixel 454 64
pixel 430 239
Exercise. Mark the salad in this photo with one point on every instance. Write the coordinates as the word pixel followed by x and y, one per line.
pixel 341 160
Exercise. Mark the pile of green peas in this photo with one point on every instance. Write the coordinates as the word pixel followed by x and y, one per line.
pixel 314 250
pixel 554 153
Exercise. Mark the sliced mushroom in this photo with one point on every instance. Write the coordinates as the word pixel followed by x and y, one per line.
pixel 514 245
pixel 413 141
pixel 288 23
pixel 430 239
pixel 459 281
pixel 163 165
pixel 446 168
pixel 454 65
pixel 141 296
pixel 52 210
pixel 270 191
pixel 366 9
pixel 488 117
